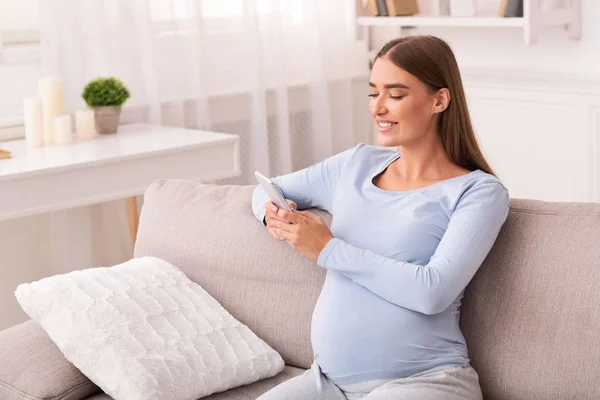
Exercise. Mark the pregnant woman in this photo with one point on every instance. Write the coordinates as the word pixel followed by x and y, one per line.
pixel 413 219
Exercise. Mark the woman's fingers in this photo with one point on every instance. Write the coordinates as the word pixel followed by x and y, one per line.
pixel 273 215
pixel 270 217
pixel 292 204
pixel 284 227
pixel 285 235
pixel 310 215
pixel 269 206
pixel 274 234
pixel 271 222
pixel 270 210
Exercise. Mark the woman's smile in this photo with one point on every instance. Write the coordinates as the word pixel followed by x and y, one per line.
pixel 384 126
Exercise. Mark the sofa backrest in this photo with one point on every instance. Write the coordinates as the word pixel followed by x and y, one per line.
pixel 531 315
pixel 209 232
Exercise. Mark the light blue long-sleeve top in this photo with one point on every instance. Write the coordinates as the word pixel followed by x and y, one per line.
pixel 397 266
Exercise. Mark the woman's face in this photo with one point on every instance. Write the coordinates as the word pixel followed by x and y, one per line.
pixel 401 105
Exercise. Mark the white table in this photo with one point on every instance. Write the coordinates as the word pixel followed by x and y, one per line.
pixel 37 180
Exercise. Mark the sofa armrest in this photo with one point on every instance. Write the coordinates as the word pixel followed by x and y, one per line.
pixel 32 367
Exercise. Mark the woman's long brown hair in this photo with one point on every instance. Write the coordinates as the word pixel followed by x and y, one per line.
pixel 432 61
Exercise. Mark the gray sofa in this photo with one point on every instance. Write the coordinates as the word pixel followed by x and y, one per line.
pixel 531 316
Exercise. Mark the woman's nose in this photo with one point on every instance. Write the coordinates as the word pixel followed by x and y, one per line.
pixel 378 106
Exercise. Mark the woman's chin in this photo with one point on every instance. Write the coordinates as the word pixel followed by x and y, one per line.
pixel 387 140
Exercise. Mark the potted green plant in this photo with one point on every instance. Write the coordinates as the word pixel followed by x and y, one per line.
pixel 106 96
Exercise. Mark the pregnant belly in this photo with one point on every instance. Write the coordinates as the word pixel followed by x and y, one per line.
pixel 355 331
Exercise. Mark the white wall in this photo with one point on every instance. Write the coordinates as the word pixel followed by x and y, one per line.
pixel 541 138
pixel 505 49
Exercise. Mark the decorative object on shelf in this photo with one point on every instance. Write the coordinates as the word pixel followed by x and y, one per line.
pixel 5 154
pixel 537 18
pixel 392 8
pixel 513 9
pixel 85 128
pixel 372 8
pixel 463 8
pixel 382 9
pixel 63 129
pixel 34 122
pixel 434 7
pixel 501 8
pixel 402 7
pixel 106 96
pixel 50 90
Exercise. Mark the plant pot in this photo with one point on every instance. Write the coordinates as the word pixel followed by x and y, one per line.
pixel 107 119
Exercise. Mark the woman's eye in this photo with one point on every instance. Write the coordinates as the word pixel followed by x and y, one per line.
pixel 391 97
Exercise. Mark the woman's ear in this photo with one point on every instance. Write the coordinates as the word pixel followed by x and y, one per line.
pixel 442 100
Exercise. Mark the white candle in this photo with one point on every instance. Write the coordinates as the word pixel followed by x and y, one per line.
pixel 63 132
pixel 34 123
pixel 50 90
pixel 85 128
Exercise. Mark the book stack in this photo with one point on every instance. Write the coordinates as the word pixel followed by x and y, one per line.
pixel 392 8
pixel 510 8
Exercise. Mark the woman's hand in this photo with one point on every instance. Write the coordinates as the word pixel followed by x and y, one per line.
pixel 271 216
pixel 304 231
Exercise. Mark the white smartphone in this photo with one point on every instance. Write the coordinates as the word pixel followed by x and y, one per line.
pixel 272 191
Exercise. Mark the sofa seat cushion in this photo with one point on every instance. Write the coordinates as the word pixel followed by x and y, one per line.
pixel 34 368
pixel 248 392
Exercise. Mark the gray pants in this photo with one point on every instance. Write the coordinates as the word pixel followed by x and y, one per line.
pixel 442 383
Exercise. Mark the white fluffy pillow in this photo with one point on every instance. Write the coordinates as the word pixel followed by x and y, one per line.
pixel 143 330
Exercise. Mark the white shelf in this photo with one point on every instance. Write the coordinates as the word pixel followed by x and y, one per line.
pixel 533 20
pixel 459 22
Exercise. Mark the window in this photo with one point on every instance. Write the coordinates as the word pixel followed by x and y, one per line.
pixel 20 61
pixel 19 29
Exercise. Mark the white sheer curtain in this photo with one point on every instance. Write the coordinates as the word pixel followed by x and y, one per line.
pixel 276 72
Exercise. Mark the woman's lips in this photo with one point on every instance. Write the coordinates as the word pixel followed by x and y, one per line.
pixel 384 126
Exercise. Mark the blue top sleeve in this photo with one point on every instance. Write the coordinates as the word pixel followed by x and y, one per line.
pixel 309 187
